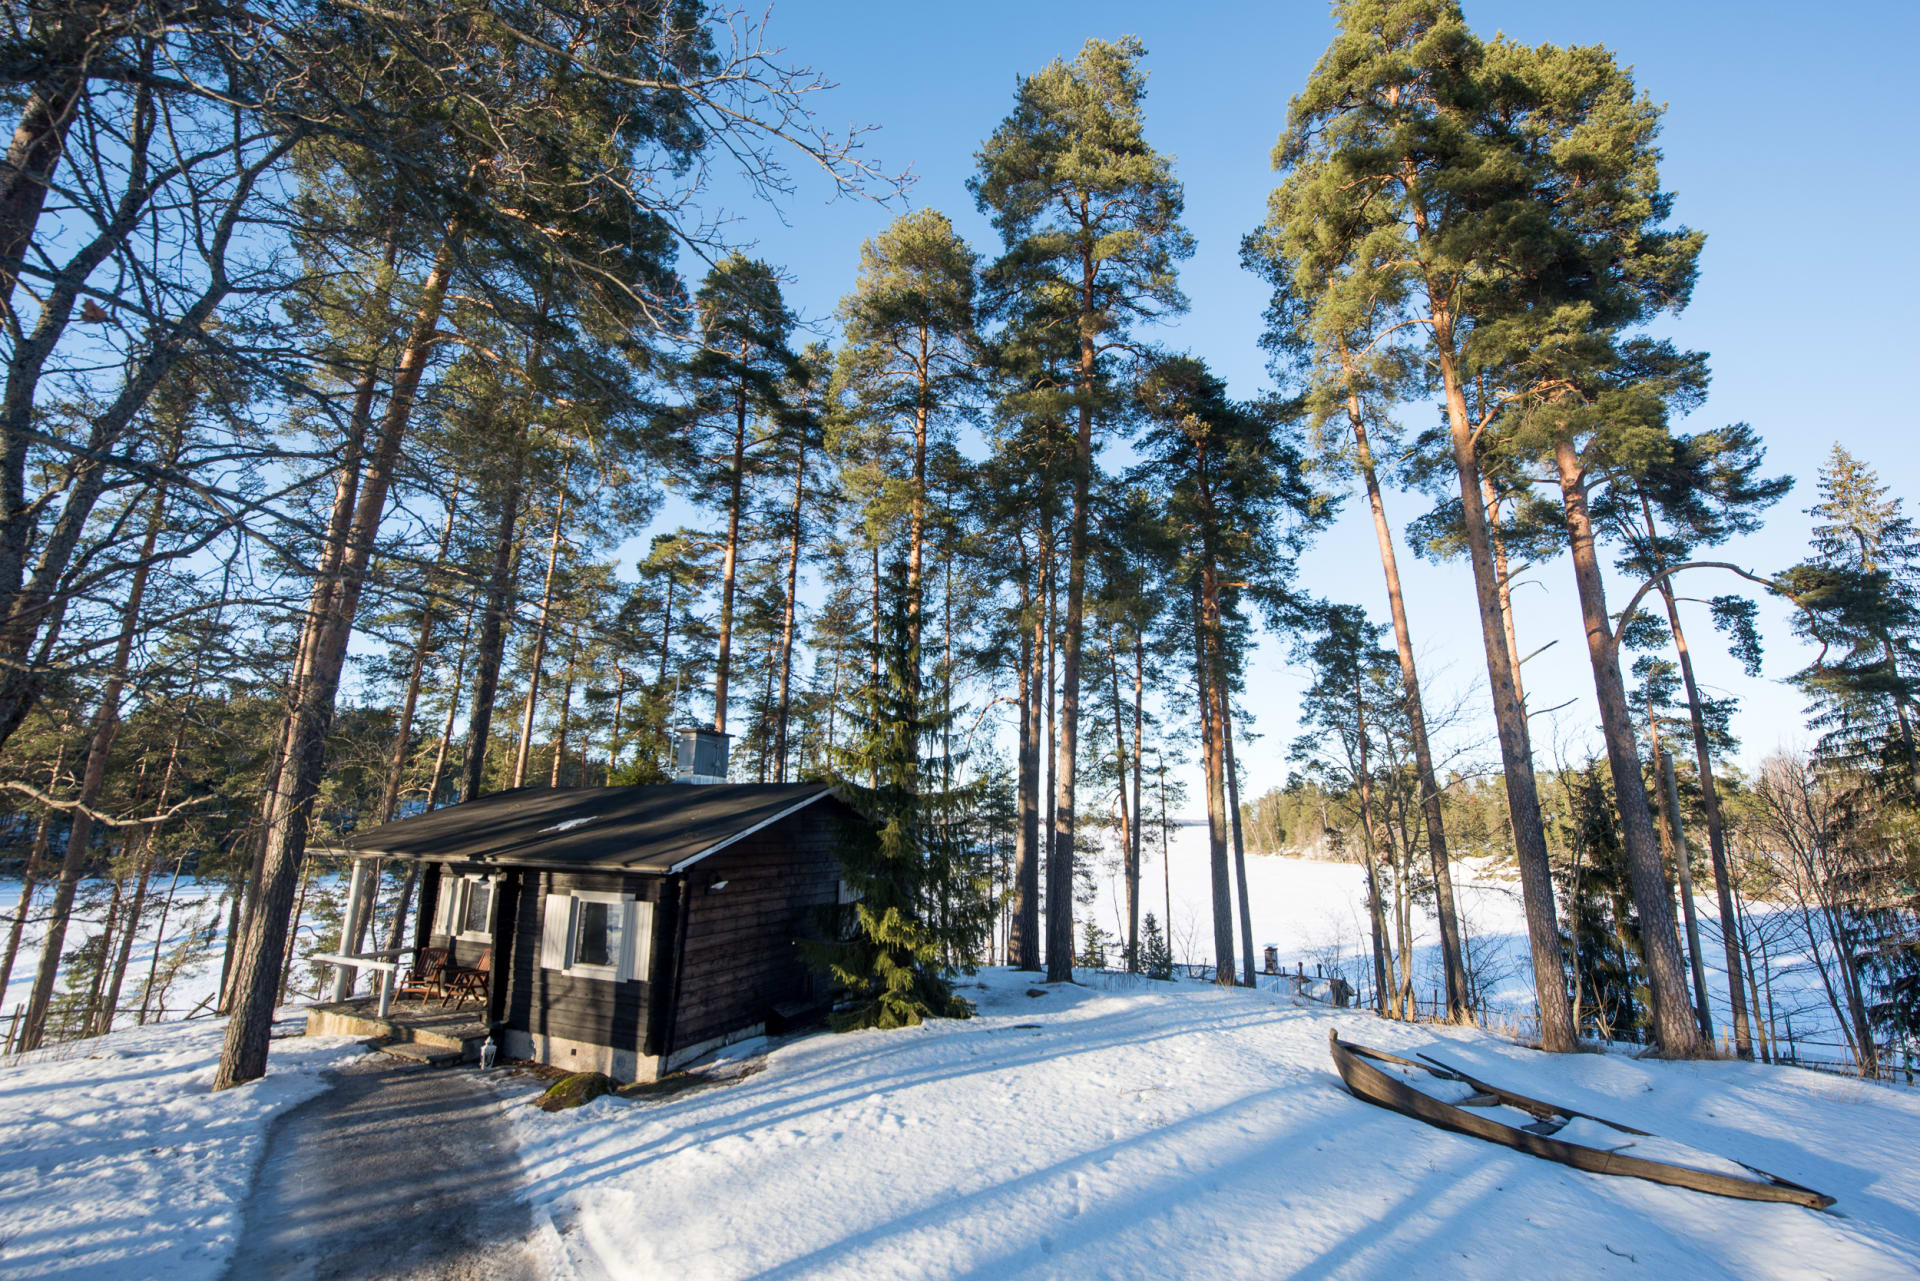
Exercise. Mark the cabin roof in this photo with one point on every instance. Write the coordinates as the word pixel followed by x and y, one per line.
pixel 660 827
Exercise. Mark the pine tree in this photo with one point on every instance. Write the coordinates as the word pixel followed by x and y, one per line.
pixel 734 381
pixel 1399 186
pixel 1707 491
pixel 1236 513
pixel 1090 216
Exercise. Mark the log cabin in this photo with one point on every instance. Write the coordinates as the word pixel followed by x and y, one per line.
pixel 627 930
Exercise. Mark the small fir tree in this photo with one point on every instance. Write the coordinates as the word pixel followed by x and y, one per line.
pixel 1156 959
pixel 1093 947
pixel 887 963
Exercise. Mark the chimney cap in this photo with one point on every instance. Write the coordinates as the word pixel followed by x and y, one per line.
pixel 700 755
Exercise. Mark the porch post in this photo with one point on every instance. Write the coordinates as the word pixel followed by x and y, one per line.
pixel 345 975
pixel 506 912
pixel 428 901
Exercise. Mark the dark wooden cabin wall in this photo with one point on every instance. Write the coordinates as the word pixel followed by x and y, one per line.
pixel 553 1003
pixel 741 956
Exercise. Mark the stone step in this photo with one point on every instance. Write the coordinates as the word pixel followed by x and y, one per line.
pixel 416 1052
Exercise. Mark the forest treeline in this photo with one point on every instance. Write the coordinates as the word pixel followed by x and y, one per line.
pixel 346 348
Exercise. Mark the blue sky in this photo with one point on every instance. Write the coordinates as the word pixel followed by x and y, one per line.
pixel 1790 140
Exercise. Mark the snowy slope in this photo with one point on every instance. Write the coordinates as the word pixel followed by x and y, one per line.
pixel 1138 1130
pixel 116 1163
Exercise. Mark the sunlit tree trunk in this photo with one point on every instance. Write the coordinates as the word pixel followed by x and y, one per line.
pixel 1451 952
pixel 1673 1021
pixel 244 1055
pixel 1510 717
pixel 539 655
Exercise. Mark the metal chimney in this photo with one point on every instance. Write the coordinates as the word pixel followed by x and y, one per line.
pixel 701 756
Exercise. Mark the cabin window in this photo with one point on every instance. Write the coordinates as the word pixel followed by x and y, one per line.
pixel 597 935
pixel 466 908
pixel 477 920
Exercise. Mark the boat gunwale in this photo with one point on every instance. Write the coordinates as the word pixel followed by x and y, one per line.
pixel 1371 1085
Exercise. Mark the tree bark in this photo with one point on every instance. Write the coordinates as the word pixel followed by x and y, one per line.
pixel 1681 860
pixel 1452 962
pixel 1510 719
pixel 493 626
pixel 1139 820
pixel 1716 828
pixel 1239 844
pixel 730 559
pixel 789 611
pixel 410 699
pixel 566 708
pixel 1023 945
pixel 1674 1027
pixel 539 656
pixel 1127 843
pixel 244 1055
pixel 1205 675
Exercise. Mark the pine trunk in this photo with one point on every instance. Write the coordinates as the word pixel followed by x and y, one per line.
pixel 566 709
pixel 1205 674
pixel 1023 945
pixel 1452 957
pixel 491 646
pixel 1703 1009
pixel 789 613
pixel 1510 719
pixel 1674 1026
pixel 1239 845
pixel 539 656
pixel 244 1055
pixel 730 561
pixel 410 699
pixel 1127 843
pixel 1716 827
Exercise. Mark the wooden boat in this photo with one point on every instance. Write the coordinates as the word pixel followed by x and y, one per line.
pixel 1578 1139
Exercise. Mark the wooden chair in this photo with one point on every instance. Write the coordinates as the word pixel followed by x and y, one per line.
pixel 425 977
pixel 466 983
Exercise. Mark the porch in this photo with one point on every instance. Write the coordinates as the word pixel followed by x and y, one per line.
pixel 428 1030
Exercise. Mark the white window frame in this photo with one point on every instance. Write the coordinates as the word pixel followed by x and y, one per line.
pixel 455 895
pixel 559 938
pixel 618 968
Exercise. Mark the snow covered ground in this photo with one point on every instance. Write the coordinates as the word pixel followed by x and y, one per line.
pixel 116 1162
pixel 1121 1129
pixel 1131 1129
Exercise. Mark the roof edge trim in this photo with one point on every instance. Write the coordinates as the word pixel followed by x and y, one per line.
pixel 795 808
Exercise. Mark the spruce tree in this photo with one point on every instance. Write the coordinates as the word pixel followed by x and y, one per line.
pixel 888 966
pixel 1156 960
pixel 1859 593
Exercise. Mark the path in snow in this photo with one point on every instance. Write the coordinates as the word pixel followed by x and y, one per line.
pixel 398 1172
